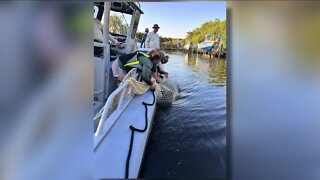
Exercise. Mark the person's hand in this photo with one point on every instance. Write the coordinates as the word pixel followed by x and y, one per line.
pixel 119 45
pixel 155 75
pixel 120 78
pixel 166 74
pixel 154 85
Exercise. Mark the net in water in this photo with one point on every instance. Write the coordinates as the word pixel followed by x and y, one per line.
pixel 166 92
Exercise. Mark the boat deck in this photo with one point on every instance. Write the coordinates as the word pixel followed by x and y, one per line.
pixel 111 156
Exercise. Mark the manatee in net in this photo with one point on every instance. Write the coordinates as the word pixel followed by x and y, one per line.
pixel 167 92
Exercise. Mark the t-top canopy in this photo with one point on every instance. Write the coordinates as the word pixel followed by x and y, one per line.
pixel 122 7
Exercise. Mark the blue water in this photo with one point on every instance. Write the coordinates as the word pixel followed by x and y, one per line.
pixel 188 139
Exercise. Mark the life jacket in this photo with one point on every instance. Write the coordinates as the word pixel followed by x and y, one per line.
pixel 131 60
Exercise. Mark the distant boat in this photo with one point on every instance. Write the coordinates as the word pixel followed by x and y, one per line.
pixel 206 45
pixel 189 47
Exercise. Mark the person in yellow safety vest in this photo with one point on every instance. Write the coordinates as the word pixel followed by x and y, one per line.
pixel 146 63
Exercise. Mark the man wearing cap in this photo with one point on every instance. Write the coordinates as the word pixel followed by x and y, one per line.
pixel 153 40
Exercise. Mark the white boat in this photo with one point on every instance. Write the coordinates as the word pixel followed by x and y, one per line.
pixel 118 147
pixel 144 50
pixel 207 44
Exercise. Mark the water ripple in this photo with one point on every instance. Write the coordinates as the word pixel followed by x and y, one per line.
pixel 188 138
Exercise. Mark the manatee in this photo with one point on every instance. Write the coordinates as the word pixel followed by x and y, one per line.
pixel 167 92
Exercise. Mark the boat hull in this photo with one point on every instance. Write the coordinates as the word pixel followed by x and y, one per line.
pixel 111 156
pixel 206 46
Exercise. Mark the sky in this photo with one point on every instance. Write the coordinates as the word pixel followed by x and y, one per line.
pixel 177 18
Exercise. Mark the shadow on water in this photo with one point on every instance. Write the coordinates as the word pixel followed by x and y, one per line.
pixel 188 138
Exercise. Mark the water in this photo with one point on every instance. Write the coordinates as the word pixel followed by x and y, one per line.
pixel 188 139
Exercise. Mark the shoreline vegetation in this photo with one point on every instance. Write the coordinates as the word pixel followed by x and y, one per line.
pixel 216 28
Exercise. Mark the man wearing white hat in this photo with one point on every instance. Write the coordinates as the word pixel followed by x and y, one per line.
pixel 153 39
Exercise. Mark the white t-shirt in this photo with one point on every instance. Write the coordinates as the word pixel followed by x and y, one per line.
pixel 161 67
pixel 153 40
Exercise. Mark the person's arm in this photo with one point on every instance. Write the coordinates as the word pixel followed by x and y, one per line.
pixel 155 71
pixel 161 68
pixel 112 39
pixel 155 68
pixel 145 75
pixel 162 71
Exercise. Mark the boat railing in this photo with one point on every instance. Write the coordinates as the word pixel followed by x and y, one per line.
pixel 114 106
pixel 98 44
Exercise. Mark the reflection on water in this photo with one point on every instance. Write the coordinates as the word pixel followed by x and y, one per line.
pixel 188 139
pixel 215 68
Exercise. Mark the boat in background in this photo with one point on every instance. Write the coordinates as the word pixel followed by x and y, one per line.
pixel 206 45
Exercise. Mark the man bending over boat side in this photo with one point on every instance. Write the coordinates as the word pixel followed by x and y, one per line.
pixel 145 63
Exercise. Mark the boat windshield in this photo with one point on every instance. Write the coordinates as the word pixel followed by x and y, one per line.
pixel 118 23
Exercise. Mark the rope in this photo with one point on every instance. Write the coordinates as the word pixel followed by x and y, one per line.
pixel 133 129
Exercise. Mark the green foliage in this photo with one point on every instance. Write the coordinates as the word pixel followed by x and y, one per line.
pixel 216 28
pixel 139 36
pixel 117 25
pixel 171 43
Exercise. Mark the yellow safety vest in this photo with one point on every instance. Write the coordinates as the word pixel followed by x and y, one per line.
pixel 135 60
